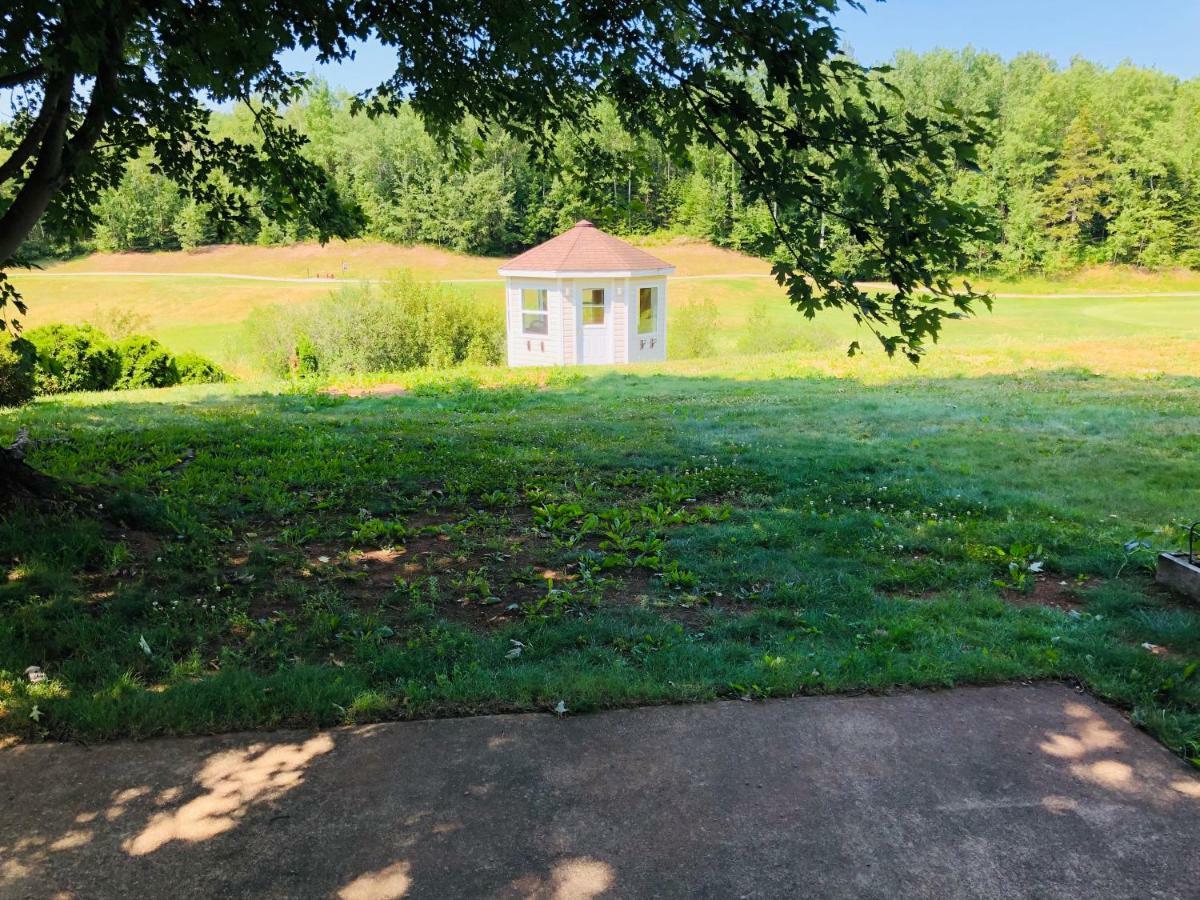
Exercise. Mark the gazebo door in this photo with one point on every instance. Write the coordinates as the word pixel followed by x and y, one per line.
pixel 595 314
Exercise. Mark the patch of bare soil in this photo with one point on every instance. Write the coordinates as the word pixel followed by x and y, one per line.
pixel 1160 650
pixel 915 596
pixel 483 580
pixel 488 574
pixel 375 390
pixel 101 581
pixel 637 589
pixel 1052 592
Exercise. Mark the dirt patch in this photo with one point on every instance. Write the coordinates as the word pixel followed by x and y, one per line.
pixel 375 390
pixel 917 596
pixel 478 568
pixel 1054 593
pixel 143 546
pixel 483 575
pixel 1159 650
pixel 640 589
pixel 483 587
pixel 373 573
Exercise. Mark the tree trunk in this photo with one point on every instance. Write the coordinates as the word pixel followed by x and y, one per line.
pixel 18 478
pixel 58 157
pixel 42 184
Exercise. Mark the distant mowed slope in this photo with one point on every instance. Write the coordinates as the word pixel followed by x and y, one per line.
pixel 369 259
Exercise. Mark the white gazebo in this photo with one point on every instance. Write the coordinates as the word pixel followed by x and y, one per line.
pixel 585 297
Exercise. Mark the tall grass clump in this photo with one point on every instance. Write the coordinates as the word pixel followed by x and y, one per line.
pixel 760 335
pixel 692 330
pixel 401 324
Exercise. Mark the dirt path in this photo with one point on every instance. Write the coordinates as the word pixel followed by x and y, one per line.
pixel 989 792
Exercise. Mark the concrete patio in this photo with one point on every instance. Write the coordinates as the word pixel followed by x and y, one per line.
pixel 1014 791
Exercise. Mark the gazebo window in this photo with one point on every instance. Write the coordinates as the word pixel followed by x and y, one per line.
pixel 646 303
pixel 593 306
pixel 535 311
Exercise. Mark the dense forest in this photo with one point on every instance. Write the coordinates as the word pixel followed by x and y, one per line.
pixel 1081 165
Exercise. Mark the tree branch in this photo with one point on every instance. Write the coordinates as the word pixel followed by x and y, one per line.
pixel 12 166
pixel 16 79
pixel 41 185
pixel 99 107
pixel 58 158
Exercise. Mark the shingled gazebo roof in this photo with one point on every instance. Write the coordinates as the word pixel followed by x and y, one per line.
pixel 585 249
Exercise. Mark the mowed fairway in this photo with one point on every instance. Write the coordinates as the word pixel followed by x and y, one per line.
pixel 740 524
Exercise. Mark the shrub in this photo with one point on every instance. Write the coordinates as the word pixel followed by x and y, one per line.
pixel 303 359
pixel 73 358
pixel 760 335
pixel 145 363
pixel 692 329
pixel 196 369
pixel 119 322
pixel 404 324
pixel 17 358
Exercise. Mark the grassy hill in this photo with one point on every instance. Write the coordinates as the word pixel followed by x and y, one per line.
pixel 369 259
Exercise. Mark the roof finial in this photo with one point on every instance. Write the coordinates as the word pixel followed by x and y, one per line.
pixel 584 223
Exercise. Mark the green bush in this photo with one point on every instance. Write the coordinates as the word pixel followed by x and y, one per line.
pixel 73 358
pixel 404 324
pixel 145 363
pixel 692 329
pixel 760 335
pixel 196 369
pixel 17 359
pixel 303 359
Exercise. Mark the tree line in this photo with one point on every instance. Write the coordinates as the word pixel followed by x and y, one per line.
pixel 1078 165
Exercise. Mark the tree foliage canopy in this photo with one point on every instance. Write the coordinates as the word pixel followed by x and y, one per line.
pixel 761 81
pixel 1120 142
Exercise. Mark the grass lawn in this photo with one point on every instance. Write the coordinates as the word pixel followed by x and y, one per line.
pixel 505 541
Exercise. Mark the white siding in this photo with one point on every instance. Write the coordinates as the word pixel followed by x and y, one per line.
pixel 560 345
pixel 570 319
pixel 534 349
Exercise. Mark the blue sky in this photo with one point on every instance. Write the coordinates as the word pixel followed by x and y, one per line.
pixel 1164 34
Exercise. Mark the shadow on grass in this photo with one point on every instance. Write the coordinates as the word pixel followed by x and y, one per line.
pixel 868 527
